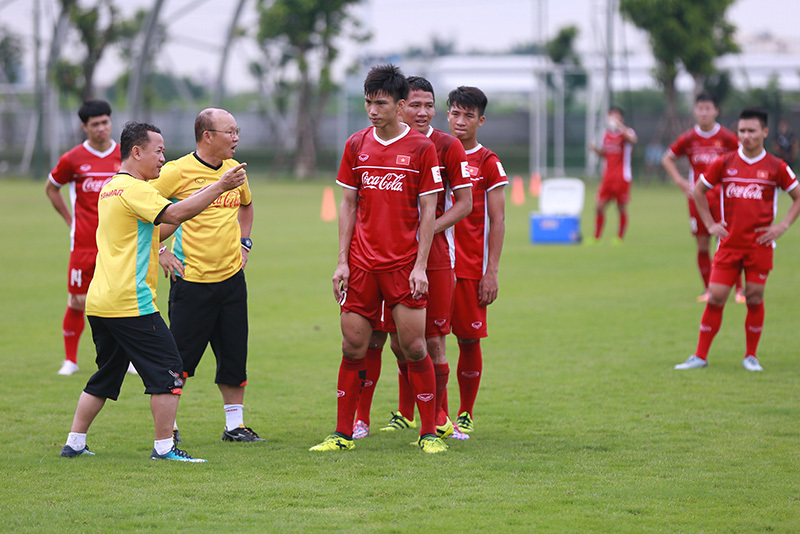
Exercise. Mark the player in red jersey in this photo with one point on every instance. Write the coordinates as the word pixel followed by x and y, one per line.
pixel 616 183
pixel 390 178
pixel 701 145
pixel 479 242
pixel 452 205
pixel 750 179
pixel 86 168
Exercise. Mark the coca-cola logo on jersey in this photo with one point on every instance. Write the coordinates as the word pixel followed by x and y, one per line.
pixel 704 157
pixel 749 191
pixel 227 200
pixel 391 181
pixel 90 185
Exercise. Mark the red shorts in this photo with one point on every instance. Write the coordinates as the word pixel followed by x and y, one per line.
pixel 366 293
pixel 441 283
pixel 469 319
pixel 695 222
pixel 618 190
pixel 729 263
pixel 81 271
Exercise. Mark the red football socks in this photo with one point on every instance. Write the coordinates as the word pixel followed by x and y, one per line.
pixel 623 224
pixel 405 403
pixel 709 326
pixel 442 372
pixel 72 328
pixel 352 374
pixel 423 381
pixel 598 224
pixel 373 374
pixel 704 264
pixel 753 325
pixel 470 368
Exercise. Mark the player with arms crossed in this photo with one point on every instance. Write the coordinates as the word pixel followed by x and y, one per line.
pixel 452 205
pixel 208 293
pixel 750 179
pixel 86 168
pixel 616 183
pixel 479 243
pixel 702 144
pixel 390 178
pixel 120 304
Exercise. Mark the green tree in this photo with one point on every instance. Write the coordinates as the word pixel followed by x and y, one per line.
pixel 303 34
pixel 561 50
pixel 10 56
pixel 682 32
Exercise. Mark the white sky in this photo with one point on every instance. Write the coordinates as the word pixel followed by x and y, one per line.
pixel 197 28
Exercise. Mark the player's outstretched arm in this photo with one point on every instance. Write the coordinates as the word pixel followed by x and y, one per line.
pixel 768 234
pixel 186 209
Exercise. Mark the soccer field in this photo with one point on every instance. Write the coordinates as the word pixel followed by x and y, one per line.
pixel 582 425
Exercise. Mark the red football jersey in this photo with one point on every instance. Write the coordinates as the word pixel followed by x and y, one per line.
pixel 86 171
pixel 389 177
pixel 453 167
pixel 749 196
pixel 701 148
pixel 472 232
pixel 618 157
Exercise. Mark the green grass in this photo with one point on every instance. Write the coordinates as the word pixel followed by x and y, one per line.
pixel 582 424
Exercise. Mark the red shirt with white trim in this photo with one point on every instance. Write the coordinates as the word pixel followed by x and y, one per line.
pixel 749 193
pixel 472 232
pixel 617 152
pixel 86 171
pixel 453 167
pixel 389 177
pixel 702 148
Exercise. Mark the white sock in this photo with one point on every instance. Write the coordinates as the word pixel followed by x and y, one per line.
pixel 76 441
pixel 163 446
pixel 175 425
pixel 234 416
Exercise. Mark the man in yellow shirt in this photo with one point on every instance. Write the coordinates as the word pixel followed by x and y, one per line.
pixel 208 295
pixel 120 304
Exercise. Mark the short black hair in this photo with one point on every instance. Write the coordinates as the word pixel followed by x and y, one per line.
pixel 387 79
pixel 135 134
pixel 468 98
pixel 755 113
pixel 705 96
pixel 203 123
pixel 617 109
pixel 93 108
pixel 418 83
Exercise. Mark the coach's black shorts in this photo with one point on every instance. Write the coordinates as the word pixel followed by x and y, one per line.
pixel 214 313
pixel 144 341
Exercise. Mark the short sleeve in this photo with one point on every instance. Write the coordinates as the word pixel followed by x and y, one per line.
pixel 63 173
pixel 713 173
pixel 431 178
pixel 145 201
pixel 456 165
pixel 494 173
pixel 345 175
pixel 169 181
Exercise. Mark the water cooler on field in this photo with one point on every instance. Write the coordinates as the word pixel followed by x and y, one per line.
pixel 558 220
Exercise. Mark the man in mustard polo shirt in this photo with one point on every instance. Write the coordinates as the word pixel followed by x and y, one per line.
pixel 208 295
pixel 120 304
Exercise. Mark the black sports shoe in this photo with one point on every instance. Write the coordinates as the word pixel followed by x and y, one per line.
pixel 176 436
pixel 243 433
pixel 69 452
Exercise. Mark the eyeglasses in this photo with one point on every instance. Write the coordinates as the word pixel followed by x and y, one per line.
pixel 235 131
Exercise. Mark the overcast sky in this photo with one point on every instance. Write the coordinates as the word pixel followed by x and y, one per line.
pixel 197 28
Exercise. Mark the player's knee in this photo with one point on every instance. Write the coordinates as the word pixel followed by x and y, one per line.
pixel 416 350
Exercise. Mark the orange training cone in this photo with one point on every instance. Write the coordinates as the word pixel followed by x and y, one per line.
pixel 517 191
pixel 536 184
pixel 328 211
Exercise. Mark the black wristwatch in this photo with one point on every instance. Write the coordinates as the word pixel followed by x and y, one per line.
pixel 247 244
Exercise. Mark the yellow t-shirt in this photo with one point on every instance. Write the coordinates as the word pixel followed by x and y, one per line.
pixel 208 245
pixel 126 273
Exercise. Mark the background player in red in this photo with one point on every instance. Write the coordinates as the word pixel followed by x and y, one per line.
pixel 750 179
pixel 390 177
pixel 86 168
pixel 701 145
pixel 479 242
pixel 616 183
pixel 453 204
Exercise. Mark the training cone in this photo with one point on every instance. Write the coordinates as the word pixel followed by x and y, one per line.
pixel 517 191
pixel 536 185
pixel 328 211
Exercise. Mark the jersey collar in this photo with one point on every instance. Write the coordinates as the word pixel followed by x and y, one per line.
pixel 390 141
pixel 709 134
pixel 97 153
pixel 475 149
pixel 756 159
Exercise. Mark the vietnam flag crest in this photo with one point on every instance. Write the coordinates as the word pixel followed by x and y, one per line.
pixel 403 160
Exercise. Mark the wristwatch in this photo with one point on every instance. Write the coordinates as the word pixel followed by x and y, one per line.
pixel 247 244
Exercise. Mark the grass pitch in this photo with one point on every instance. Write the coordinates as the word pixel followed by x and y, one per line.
pixel 582 425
